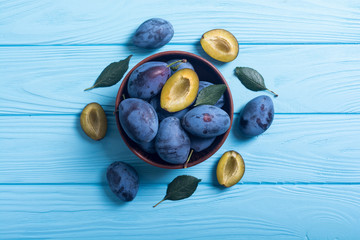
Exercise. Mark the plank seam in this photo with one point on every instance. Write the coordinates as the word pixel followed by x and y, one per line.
pixel 174 44
pixel 109 114
pixel 206 183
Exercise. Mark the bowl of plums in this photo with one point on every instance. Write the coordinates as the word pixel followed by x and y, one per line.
pixel 174 109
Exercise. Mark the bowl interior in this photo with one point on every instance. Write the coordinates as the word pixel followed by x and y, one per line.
pixel 206 72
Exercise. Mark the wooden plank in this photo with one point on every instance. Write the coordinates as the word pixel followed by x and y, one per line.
pixel 308 79
pixel 110 21
pixel 298 148
pixel 242 212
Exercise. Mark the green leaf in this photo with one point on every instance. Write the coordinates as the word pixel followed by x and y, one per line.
pixel 251 79
pixel 112 74
pixel 180 188
pixel 210 95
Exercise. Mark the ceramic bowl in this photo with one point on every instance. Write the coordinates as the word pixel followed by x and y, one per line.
pixel 206 72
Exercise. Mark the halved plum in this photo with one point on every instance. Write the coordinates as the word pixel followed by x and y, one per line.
pixel 220 45
pixel 180 90
pixel 230 168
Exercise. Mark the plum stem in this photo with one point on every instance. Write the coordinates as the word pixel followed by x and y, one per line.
pixel 159 202
pixel 275 95
pixel 187 161
pixel 123 96
pixel 89 88
pixel 174 68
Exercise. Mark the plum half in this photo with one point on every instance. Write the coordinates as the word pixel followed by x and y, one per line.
pixel 230 169
pixel 220 45
pixel 93 121
pixel 180 90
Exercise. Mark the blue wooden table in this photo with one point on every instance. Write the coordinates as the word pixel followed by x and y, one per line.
pixel 302 178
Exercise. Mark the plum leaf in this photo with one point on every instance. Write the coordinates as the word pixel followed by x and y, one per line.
pixel 251 79
pixel 210 94
pixel 112 74
pixel 180 188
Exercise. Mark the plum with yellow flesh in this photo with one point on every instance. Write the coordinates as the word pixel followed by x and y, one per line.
pixel 220 45
pixel 180 90
pixel 230 169
pixel 93 121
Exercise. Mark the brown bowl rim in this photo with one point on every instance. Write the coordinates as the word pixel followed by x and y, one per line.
pixel 122 132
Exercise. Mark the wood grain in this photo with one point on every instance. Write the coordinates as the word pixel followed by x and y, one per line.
pixel 308 79
pixel 297 148
pixel 111 22
pixel 302 178
pixel 241 212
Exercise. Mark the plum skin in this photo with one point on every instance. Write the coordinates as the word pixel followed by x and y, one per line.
pixel 206 121
pixel 172 143
pixel 162 114
pixel 138 119
pixel 199 144
pixel 257 116
pixel 147 80
pixel 148 147
pixel 123 180
pixel 153 33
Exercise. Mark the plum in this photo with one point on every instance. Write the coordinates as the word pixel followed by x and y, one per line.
pixel 123 180
pixel 153 33
pixel 172 143
pixel 148 147
pixel 180 90
pixel 179 66
pixel 93 121
pixel 138 119
pixel 220 45
pixel 230 169
pixel 206 121
pixel 257 116
pixel 155 102
pixel 147 80
pixel 204 84
pixel 199 144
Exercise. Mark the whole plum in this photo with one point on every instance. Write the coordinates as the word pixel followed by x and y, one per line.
pixel 206 121
pixel 153 33
pixel 155 102
pixel 179 66
pixel 199 144
pixel 204 84
pixel 148 147
pixel 257 116
pixel 172 143
pixel 123 180
pixel 147 80
pixel 138 119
